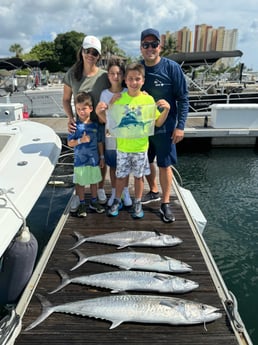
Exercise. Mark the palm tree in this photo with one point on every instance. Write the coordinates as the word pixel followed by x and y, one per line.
pixel 109 47
pixel 17 49
pixel 169 47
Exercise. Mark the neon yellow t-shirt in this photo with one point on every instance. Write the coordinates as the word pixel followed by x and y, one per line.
pixel 134 144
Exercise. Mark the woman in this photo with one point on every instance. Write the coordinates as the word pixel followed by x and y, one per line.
pixel 85 75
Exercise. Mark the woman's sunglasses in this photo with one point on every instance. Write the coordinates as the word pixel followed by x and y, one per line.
pixel 146 45
pixel 91 51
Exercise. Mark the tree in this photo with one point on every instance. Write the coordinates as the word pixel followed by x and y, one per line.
pixel 66 47
pixel 45 51
pixel 169 47
pixel 109 47
pixel 17 49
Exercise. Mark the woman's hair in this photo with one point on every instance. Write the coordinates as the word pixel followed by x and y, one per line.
pixel 78 66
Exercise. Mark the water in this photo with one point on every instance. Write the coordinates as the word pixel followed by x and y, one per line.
pixel 44 217
pixel 224 183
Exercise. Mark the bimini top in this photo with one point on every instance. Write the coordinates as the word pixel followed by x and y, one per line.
pixel 196 59
pixel 16 63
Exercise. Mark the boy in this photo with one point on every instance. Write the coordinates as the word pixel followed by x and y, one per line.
pixel 132 152
pixel 88 154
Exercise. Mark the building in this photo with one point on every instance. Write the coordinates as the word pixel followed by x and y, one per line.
pixel 206 38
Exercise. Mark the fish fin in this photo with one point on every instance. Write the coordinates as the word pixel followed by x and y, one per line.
pixel 80 239
pixel 82 259
pixel 123 246
pixel 65 280
pixel 164 257
pixel 160 277
pixel 47 309
pixel 157 232
pixel 169 304
pixel 125 267
pixel 115 323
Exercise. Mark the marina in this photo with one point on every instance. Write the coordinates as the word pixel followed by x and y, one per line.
pixel 205 130
pixel 193 250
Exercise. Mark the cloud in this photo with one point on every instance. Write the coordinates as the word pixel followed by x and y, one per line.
pixel 29 22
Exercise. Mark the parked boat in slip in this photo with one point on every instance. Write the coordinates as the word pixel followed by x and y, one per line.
pixel 29 152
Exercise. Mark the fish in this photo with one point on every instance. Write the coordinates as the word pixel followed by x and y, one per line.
pixel 124 239
pixel 118 281
pixel 135 260
pixel 133 308
pixel 129 120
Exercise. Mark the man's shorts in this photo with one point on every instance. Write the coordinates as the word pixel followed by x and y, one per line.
pixel 161 147
pixel 136 163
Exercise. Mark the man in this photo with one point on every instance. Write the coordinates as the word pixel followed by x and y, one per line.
pixel 164 79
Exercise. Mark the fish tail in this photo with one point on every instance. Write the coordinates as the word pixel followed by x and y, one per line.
pixel 80 240
pixel 47 309
pixel 82 259
pixel 65 280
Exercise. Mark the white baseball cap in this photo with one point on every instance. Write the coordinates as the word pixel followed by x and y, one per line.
pixel 92 42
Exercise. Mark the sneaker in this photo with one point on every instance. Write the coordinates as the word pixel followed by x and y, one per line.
pixel 111 200
pixel 127 199
pixel 75 202
pixel 102 196
pixel 150 197
pixel 137 210
pixel 166 213
pixel 81 212
pixel 114 209
pixel 95 206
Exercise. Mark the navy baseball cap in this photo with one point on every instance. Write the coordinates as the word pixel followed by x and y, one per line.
pixel 150 32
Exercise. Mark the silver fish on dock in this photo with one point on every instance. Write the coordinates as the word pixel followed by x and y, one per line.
pixel 134 308
pixel 136 260
pixel 118 281
pixel 127 238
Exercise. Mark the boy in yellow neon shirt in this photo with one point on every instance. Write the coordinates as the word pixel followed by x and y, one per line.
pixel 132 152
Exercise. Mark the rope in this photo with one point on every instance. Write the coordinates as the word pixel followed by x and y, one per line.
pixel 13 208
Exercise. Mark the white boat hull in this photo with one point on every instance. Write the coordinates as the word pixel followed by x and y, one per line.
pixel 29 152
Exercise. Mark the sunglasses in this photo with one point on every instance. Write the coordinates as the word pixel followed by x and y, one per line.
pixel 146 45
pixel 91 51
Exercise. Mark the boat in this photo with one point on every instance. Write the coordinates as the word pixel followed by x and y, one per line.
pixel 204 93
pixel 40 93
pixel 29 152
pixel 45 101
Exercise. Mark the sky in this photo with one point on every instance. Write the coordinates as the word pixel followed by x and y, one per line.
pixel 29 22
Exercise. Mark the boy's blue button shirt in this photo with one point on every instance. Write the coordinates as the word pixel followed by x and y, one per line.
pixel 86 154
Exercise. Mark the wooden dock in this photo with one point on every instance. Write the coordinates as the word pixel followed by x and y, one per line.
pixel 69 329
pixel 196 134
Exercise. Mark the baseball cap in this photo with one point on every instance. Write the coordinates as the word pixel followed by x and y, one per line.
pixel 150 32
pixel 92 42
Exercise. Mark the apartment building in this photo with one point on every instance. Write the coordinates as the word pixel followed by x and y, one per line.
pixel 206 38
